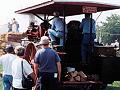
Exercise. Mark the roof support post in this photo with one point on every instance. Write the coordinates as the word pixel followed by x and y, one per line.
pixel 64 37
pixel 91 28
pixel 91 45
pixel 45 16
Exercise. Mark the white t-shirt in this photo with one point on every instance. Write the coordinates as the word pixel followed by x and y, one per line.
pixel 6 61
pixel 17 71
pixel 14 26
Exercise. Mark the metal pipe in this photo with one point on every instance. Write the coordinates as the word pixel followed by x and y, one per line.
pixel 64 27
pixel 38 16
pixel 91 27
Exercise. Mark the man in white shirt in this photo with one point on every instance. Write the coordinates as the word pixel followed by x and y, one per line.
pixel 15 25
pixel 6 61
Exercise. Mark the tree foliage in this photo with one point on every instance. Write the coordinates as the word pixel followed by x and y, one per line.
pixel 110 30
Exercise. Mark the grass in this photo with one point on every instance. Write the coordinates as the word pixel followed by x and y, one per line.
pixel 114 86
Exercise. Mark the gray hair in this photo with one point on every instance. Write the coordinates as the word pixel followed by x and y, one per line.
pixel 19 50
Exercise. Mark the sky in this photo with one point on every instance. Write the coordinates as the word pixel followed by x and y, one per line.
pixel 8 11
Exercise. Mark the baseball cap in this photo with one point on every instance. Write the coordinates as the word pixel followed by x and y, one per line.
pixel 9 48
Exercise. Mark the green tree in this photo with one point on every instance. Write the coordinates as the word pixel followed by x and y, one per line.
pixel 110 30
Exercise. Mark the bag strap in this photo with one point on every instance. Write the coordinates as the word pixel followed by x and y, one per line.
pixel 22 69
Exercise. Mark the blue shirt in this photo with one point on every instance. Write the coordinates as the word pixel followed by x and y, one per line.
pixel 85 25
pixel 58 24
pixel 47 59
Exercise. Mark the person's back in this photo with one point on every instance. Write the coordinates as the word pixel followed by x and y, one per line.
pixel 17 72
pixel 85 24
pixel 47 60
pixel 48 63
pixel 89 34
pixel 6 61
pixel 58 24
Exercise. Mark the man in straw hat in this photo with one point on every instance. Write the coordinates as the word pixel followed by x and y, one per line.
pixel 48 62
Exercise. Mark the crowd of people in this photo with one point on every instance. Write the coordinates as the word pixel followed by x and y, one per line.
pixel 46 67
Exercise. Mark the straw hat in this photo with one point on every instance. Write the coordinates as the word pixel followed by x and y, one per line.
pixel 44 40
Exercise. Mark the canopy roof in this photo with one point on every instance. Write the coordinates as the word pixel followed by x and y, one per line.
pixel 70 8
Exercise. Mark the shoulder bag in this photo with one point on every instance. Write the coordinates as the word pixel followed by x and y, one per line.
pixel 27 82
